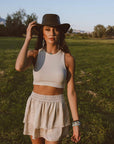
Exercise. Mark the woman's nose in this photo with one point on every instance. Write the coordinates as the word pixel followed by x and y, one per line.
pixel 53 32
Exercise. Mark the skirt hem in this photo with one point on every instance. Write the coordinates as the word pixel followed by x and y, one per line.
pixel 64 135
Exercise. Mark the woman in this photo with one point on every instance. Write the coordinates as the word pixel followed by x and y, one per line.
pixel 46 117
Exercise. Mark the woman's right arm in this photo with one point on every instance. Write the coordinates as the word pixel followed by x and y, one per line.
pixel 25 56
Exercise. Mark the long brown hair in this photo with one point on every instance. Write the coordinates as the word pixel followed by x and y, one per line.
pixel 62 43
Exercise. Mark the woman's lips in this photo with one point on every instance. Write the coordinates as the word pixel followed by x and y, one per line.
pixel 52 39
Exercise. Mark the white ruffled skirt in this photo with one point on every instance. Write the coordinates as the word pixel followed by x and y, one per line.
pixel 46 116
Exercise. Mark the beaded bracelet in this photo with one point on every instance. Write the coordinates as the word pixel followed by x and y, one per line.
pixel 76 123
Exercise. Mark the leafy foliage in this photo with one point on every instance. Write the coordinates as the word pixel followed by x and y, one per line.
pixel 17 23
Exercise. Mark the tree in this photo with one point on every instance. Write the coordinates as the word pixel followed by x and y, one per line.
pixel 71 30
pixel 3 30
pixel 30 18
pixel 9 25
pixel 110 31
pixel 15 23
pixel 99 31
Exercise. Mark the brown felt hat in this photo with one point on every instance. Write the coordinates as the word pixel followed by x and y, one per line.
pixel 54 21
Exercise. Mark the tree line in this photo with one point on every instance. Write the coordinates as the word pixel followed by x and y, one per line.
pixel 17 23
pixel 101 32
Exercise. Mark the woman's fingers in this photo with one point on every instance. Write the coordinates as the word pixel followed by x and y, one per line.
pixel 29 29
pixel 32 24
pixel 76 134
pixel 75 139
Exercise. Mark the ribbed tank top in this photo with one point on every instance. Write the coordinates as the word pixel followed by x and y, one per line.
pixel 50 69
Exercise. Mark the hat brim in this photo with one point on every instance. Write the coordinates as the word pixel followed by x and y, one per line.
pixel 64 27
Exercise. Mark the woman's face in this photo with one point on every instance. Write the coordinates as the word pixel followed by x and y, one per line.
pixel 51 34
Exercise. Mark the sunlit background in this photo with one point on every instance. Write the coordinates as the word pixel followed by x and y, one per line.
pixel 81 14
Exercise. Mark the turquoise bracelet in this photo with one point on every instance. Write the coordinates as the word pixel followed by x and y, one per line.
pixel 76 123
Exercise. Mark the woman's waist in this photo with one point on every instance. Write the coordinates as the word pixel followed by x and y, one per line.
pixel 47 90
pixel 47 98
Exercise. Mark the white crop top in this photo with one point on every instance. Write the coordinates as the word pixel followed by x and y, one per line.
pixel 50 69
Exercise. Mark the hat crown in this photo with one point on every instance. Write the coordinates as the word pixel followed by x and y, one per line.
pixel 54 21
pixel 51 20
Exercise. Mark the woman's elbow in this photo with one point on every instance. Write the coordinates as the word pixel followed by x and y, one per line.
pixel 18 68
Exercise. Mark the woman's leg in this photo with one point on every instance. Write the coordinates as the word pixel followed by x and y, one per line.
pixel 52 142
pixel 38 140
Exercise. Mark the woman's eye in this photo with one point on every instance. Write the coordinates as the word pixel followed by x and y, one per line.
pixel 47 29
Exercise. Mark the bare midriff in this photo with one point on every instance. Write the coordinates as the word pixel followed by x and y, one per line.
pixel 47 90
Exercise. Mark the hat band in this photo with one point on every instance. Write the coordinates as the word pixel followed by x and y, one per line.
pixel 52 23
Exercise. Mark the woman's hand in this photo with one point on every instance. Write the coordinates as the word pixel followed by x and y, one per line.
pixel 29 30
pixel 76 134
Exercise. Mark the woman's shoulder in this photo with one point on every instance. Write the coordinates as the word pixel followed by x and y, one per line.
pixel 69 59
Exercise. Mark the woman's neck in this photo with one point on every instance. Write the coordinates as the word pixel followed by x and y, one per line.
pixel 52 49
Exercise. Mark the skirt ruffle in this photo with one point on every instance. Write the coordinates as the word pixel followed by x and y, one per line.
pixel 46 116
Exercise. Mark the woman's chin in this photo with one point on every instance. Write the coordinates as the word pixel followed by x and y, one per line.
pixel 52 42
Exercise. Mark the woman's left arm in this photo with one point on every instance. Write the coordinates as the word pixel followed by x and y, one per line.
pixel 71 94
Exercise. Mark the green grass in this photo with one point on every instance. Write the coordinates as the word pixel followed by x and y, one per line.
pixel 94 77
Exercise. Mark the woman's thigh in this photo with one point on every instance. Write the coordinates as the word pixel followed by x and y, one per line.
pixel 37 141
pixel 52 142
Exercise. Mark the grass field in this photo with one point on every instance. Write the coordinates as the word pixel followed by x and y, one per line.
pixel 94 77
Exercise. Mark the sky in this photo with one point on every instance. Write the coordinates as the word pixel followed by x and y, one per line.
pixel 80 14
